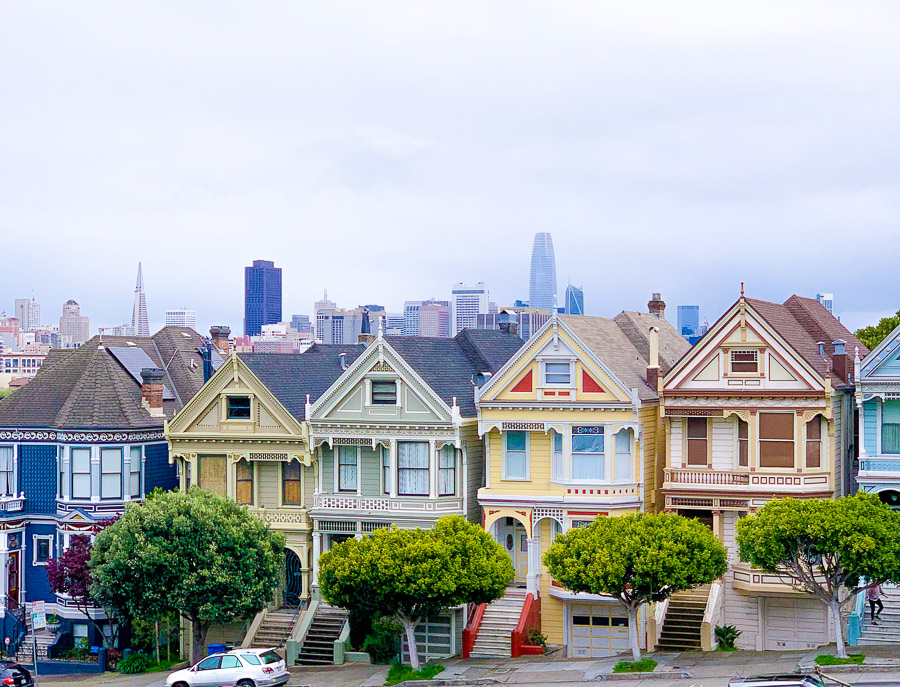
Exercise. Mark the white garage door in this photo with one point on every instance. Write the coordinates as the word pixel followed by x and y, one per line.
pixel 597 630
pixel 795 624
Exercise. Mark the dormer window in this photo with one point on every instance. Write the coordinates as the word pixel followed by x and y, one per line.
pixel 384 393
pixel 745 361
pixel 238 408
pixel 558 373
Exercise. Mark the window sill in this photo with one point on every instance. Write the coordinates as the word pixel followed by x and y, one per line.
pixel 515 479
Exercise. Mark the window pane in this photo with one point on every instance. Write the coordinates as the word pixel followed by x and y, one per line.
pixel 412 473
pixel 230 662
pixel 556 373
pixel 814 443
pixel 347 468
pixel 238 407
pixel 111 486
pixel 557 442
pixel 6 457
pixel 890 438
pixel 624 461
pixel 413 454
pixel 134 485
pixel 81 486
pixel 776 426
pixel 587 444
pixel 111 460
pixel 590 466
pixel 743 443
pixel 244 475
pixel 515 441
pixel 384 393
pixel 696 428
pixel 890 412
pixel 81 460
pixel 515 465
pixel 776 454
pixel 447 457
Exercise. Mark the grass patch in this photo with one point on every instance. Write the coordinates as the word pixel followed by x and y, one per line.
pixel 164 665
pixel 726 648
pixel 401 673
pixel 829 660
pixel 645 665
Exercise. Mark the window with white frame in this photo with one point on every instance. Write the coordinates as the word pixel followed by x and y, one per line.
pixel 7 474
pixel 447 471
pixel 81 472
pixel 588 454
pixel 111 473
pixel 558 373
pixel 890 427
pixel 384 393
pixel 624 459
pixel 515 455
pixel 814 442
pixel 412 468
pixel 134 477
pixel 61 474
pixel 385 471
pixel 347 468
pixel 556 458
pixel 42 549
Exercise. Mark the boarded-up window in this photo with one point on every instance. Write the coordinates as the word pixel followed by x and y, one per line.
pixel 776 440
pixel 743 443
pixel 290 478
pixel 814 443
pixel 244 482
pixel 212 474
pixel 697 441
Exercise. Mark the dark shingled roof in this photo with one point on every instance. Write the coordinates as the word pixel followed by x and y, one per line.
pixel 448 366
pixel 290 377
pixel 88 388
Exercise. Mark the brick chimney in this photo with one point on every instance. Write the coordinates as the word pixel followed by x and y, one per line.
pixel 839 359
pixel 657 306
pixel 152 390
pixel 653 367
pixel 509 322
pixel 220 335
pixel 365 339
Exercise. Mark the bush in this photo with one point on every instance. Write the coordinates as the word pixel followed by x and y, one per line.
pixel 535 638
pixel 645 665
pixel 382 643
pixel 135 663
pixel 829 660
pixel 401 673
pixel 727 635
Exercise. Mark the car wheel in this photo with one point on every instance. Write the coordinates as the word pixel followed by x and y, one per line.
pixel 181 684
pixel 246 683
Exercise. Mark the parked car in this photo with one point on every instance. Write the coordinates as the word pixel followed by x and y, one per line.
pixel 13 674
pixel 781 680
pixel 236 668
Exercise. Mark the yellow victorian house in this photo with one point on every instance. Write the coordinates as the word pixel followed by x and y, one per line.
pixel 570 430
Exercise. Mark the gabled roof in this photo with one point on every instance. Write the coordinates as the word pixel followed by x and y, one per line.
pixel 874 358
pixel 88 388
pixel 636 326
pixel 290 377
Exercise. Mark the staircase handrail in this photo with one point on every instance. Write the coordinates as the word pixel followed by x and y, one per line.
pixel 470 632
pixel 253 628
pixel 855 621
pixel 529 619
pixel 712 615
pixel 289 630
pixel 19 626
pixel 302 627
pixel 655 624
pixel 340 642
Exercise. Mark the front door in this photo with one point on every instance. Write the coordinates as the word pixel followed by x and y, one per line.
pixel 512 537
pixel 12 576
pixel 293 579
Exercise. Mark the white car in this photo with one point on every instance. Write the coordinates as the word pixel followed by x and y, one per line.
pixel 236 668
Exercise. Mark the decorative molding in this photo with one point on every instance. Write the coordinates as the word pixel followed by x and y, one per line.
pixel 685 403
pixel 80 437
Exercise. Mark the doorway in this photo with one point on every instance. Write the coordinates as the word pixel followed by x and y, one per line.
pixel 512 537
pixel 12 576
pixel 293 579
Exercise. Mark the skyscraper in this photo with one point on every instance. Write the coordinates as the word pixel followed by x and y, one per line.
pixel 73 324
pixel 467 302
pixel 434 318
pixel 182 317
pixel 28 311
pixel 542 287
pixel 574 300
pixel 262 296
pixel 139 312
pixel 827 301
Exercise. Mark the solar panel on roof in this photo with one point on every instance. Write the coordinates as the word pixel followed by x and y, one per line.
pixel 134 360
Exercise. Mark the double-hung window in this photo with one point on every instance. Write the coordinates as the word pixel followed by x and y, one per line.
pixel 412 468
pixel 588 454
pixel 557 373
pixel 385 471
pixel 111 473
pixel 7 483
pixel 290 480
pixel 697 441
pixel 776 440
pixel 347 468
pixel 515 455
pixel 447 471
pixel 624 460
pixel 743 431
pixel 244 482
pixel 134 480
pixel 556 459
pixel 814 443
pixel 890 427
pixel 745 361
pixel 238 408
pixel 81 472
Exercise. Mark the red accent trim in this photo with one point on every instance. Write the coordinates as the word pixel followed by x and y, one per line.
pixel 589 385
pixel 524 385
pixel 549 393
pixel 587 512
pixel 470 633
pixel 529 619
pixel 562 393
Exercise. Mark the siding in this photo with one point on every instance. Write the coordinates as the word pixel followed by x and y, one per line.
pixel 741 610
pixel 370 472
pixel 675 447
pixel 551 607
pixel 870 410
pixel 268 490
pixel 840 448
pixel 38 477
pixel 653 468
pixel 474 449
pixel 539 458
pixel 36 584
pixel 309 484
pixel 326 465
pixel 157 470
pixel 723 443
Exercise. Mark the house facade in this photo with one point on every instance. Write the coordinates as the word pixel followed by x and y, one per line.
pixel 760 408
pixel 570 432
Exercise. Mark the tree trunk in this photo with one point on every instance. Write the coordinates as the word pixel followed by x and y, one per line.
pixel 633 638
pixel 410 627
pixel 156 639
pixel 198 639
pixel 835 608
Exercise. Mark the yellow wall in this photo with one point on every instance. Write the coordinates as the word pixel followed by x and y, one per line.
pixel 551 607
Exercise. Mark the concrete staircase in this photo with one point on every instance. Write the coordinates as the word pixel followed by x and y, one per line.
pixel 500 619
pixel 681 628
pixel 887 631
pixel 318 645
pixel 25 654
pixel 275 629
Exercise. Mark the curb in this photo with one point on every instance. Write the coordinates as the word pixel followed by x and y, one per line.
pixel 660 675
pixel 449 682
pixel 850 668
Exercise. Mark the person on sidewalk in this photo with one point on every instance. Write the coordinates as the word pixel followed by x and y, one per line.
pixel 874 594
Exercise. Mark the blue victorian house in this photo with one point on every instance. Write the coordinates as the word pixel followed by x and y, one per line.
pixel 79 442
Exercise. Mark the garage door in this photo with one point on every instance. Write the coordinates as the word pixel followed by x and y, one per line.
pixel 795 624
pixel 597 630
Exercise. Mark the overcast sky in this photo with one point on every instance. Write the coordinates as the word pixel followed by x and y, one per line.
pixel 385 150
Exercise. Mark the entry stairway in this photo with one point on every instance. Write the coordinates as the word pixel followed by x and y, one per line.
pixel 275 629
pixel 684 616
pixel 494 637
pixel 887 631
pixel 318 645
pixel 25 653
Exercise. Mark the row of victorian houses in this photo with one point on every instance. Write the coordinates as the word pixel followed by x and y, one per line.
pixel 591 417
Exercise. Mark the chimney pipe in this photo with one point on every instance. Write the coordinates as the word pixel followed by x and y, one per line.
pixel 152 390
pixel 343 359
pixel 839 359
pixel 653 367
pixel 657 306
pixel 220 335
pixel 206 354
pixel 508 322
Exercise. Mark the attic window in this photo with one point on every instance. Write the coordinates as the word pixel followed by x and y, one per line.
pixel 745 361
pixel 557 373
pixel 238 408
pixel 384 393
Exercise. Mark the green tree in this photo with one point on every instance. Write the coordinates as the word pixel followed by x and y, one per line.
pixel 411 575
pixel 832 549
pixel 636 558
pixel 872 335
pixel 193 552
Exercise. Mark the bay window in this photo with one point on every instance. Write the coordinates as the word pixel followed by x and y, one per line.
pixel 776 440
pixel 347 468
pixel 743 432
pixel 290 483
pixel 515 455
pixel 81 472
pixel 556 459
pixel 134 480
pixel 412 468
pixel 7 476
pixel 890 427
pixel 624 459
pixel 588 454
pixel 244 482
pixel 385 471
pixel 110 473
pixel 814 443
pixel 447 471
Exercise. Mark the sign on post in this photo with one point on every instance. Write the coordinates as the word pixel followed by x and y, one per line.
pixel 38 615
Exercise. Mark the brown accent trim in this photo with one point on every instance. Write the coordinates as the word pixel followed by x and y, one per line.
pixel 773 393
pixel 695 412
pixel 746 494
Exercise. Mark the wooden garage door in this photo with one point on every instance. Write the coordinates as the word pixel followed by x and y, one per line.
pixel 597 630
pixel 795 624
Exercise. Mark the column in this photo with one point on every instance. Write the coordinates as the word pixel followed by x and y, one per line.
pixel 95 474
pixel 862 429
pixel 358 472
pixel 718 524
pixel 532 579
pixel 395 475
pixel 753 441
pixel 317 551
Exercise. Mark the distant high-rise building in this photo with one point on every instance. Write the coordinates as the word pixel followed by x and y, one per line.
pixel 121 330
pixel 689 323
pixel 411 318
pixel 574 300
pixel 528 319
pixel 301 324
pixel 467 301
pixel 827 301
pixel 338 326
pixel 542 286
pixel 262 296
pixel 73 324
pixel 28 312
pixel 393 324
pixel 139 321
pixel 182 317
pixel 434 318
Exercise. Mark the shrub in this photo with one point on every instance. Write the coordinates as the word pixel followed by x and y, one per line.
pixel 401 673
pixel 535 638
pixel 645 665
pixel 829 660
pixel 382 642
pixel 727 635
pixel 135 663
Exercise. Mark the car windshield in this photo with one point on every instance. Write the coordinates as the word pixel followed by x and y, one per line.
pixel 252 659
pixel 268 657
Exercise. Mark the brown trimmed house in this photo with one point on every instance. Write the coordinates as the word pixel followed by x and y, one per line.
pixel 760 408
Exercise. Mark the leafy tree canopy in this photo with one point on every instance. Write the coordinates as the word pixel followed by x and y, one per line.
pixel 197 553
pixel 636 558
pixel 872 335
pixel 415 574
